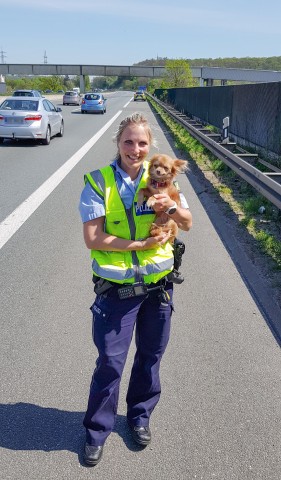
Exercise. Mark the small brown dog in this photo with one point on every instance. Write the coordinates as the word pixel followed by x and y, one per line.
pixel 161 174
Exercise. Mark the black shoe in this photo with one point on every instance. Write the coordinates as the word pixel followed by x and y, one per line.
pixel 141 435
pixel 92 454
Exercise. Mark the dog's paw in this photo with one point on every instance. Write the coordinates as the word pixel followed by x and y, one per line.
pixel 140 197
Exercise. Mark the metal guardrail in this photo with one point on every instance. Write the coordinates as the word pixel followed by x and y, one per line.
pixel 267 184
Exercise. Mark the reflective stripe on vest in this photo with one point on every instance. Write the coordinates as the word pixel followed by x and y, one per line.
pixel 134 223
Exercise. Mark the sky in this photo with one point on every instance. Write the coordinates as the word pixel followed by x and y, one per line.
pixel 125 32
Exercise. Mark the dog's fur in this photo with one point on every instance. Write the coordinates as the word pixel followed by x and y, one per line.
pixel 161 174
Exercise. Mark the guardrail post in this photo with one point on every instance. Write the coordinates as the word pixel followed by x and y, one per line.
pixel 225 130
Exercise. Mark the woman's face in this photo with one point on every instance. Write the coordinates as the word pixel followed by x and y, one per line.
pixel 133 147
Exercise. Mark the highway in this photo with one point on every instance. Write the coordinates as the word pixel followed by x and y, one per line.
pixel 219 415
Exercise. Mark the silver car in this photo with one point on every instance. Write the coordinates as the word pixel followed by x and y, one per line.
pixel 27 93
pixel 71 98
pixel 30 118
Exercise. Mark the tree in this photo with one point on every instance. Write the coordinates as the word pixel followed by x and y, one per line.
pixel 67 83
pixel 178 74
pixel 156 83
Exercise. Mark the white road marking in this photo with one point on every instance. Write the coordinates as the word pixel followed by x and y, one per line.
pixel 16 219
pixel 128 102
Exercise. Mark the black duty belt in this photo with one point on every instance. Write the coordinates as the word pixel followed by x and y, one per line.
pixel 137 289
pixel 127 290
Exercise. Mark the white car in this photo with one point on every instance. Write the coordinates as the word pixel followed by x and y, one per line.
pixel 27 93
pixel 30 118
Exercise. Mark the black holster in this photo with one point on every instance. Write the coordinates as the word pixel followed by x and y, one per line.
pixel 101 285
pixel 175 275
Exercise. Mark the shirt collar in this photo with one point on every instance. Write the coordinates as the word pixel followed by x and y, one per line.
pixel 124 174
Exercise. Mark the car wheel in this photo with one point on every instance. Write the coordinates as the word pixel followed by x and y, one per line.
pixel 61 132
pixel 82 111
pixel 1 139
pixel 47 139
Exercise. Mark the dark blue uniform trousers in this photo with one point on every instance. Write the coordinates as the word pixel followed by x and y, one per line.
pixel 113 326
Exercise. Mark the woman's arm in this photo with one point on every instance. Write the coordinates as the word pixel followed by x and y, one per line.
pixel 183 218
pixel 96 239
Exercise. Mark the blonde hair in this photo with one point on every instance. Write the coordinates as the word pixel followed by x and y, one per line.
pixel 136 118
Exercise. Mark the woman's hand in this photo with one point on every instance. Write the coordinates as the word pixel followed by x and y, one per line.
pixel 153 242
pixel 182 216
pixel 96 239
pixel 161 202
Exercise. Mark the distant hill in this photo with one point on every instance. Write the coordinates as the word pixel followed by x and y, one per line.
pixel 256 63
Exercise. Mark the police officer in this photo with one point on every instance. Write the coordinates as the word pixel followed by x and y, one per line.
pixel 129 271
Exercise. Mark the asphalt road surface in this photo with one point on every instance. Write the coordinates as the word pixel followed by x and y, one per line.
pixel 219 416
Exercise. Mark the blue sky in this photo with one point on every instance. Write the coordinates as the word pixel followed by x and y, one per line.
pixel 124 32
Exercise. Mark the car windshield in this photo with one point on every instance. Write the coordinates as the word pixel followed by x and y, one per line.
pixel 71 94
pixel 27 105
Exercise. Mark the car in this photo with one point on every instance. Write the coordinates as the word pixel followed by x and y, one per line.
pixel 30 118
pixel 139 95
pixel 71 98
pixel 49 91
pixel 27 93
pixel 60 91
pixel 93 102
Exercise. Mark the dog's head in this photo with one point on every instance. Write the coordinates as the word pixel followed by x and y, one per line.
pixel 163 168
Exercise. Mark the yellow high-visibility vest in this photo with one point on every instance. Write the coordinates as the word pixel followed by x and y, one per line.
pixel 134 224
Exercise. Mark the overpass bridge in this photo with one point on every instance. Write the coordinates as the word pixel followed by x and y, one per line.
pixel 206 75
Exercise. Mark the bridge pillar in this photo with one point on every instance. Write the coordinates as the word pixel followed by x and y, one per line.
pixel 82 83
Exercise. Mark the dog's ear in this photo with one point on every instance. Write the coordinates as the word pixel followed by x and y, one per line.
pixel 154 157
pixel 179 166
